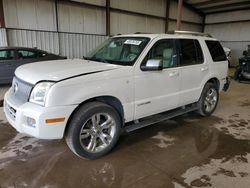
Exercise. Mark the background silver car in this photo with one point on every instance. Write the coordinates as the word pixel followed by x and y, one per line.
pixel 13 57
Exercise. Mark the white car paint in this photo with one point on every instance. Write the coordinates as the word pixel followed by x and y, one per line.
pixel 140 93
pixel 58 70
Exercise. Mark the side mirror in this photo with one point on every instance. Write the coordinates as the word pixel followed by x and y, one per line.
pixel 245 53
pixel 152 65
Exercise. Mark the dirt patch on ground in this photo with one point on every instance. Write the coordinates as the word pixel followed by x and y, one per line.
pixel 245 103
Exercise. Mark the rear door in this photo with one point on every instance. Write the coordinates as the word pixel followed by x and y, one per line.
pixel 7 65
pixel 194 69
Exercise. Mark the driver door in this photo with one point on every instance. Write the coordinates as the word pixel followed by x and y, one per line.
pixel 158 91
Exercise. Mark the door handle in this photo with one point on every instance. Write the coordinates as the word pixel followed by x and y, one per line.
pixel 204 69
pixel 173 74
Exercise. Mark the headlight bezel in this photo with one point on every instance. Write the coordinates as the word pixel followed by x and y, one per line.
pixel 42 87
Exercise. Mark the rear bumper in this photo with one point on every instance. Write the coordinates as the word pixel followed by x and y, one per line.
pixel 19 115
pixel 226 84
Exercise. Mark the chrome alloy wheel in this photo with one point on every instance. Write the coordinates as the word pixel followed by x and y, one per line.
pixel 210 100
pixel 97 132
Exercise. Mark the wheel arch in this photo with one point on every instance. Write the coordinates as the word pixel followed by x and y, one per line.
pixel 214 81
pixel 110 100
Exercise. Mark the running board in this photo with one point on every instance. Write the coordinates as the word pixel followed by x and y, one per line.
pixel 144 122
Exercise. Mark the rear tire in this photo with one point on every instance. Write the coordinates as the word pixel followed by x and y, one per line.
pixel 208 100
pixel 93 130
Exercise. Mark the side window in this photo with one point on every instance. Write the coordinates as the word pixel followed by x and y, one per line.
pixel 191 53
pixel 26 54
pixel 165 51
pixel 216 50
pixel 7 54
pixel 200 58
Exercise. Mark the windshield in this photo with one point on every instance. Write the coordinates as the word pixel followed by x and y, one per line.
pixel 119 50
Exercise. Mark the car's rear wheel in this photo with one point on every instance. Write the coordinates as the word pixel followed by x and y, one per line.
pixel 208 100
pixel 93 130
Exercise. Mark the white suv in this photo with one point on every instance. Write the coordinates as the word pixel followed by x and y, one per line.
pixel 117 87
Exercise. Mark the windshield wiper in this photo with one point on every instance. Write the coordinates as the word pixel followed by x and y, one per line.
pixel 96 59
pixel 101 60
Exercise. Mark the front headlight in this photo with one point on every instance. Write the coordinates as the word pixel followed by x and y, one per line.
pixel 39 92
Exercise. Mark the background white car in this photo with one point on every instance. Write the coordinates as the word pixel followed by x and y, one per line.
pixel 229 57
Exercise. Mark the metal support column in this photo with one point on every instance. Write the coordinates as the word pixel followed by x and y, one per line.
pixel 57 27
pixel 108 17
pixel 179 14
pixel 2 21
pixel 167 15
pixel 203 23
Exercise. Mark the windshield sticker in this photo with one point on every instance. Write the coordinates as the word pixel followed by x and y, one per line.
pixel 133 42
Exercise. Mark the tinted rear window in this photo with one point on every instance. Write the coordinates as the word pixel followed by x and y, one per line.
pixel 216 50
pixel 26 54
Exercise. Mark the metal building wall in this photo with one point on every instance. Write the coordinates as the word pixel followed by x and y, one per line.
pixel 124 23
pixel 32 23
pixel 128 23
pixel 185 26
pixel 80 28
pixel 231 29
pixel 94 2
pixel 77 45
pixel 155 7
pixel 45 40
pixel 187 15
pixel 72 18
pixel 3 38
pixel 30 14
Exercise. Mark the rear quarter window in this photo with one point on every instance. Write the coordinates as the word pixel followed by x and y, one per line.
pixel 216 50
pixel 26 54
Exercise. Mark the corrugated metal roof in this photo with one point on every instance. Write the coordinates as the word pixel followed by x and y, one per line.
pixel 215 6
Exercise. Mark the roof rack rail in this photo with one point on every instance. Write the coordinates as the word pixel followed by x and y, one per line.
pixel 190 33
pixel 142 33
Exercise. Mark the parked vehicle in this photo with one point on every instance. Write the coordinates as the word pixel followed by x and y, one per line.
pixel 243 71
pixel 228 54
pixel 128 82
pixel 13 57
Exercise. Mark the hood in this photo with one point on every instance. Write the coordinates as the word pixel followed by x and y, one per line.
pixel 60 70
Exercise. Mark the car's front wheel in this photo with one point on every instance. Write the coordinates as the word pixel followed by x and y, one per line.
pixel 93 130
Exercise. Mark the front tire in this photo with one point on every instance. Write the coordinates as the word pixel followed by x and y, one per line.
pixel 93 130
pixel 208 100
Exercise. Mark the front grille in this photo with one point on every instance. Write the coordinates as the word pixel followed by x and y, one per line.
pixel 21 90
pixel 11 111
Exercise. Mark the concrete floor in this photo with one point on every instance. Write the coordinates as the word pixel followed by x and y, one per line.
pixel 188 151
